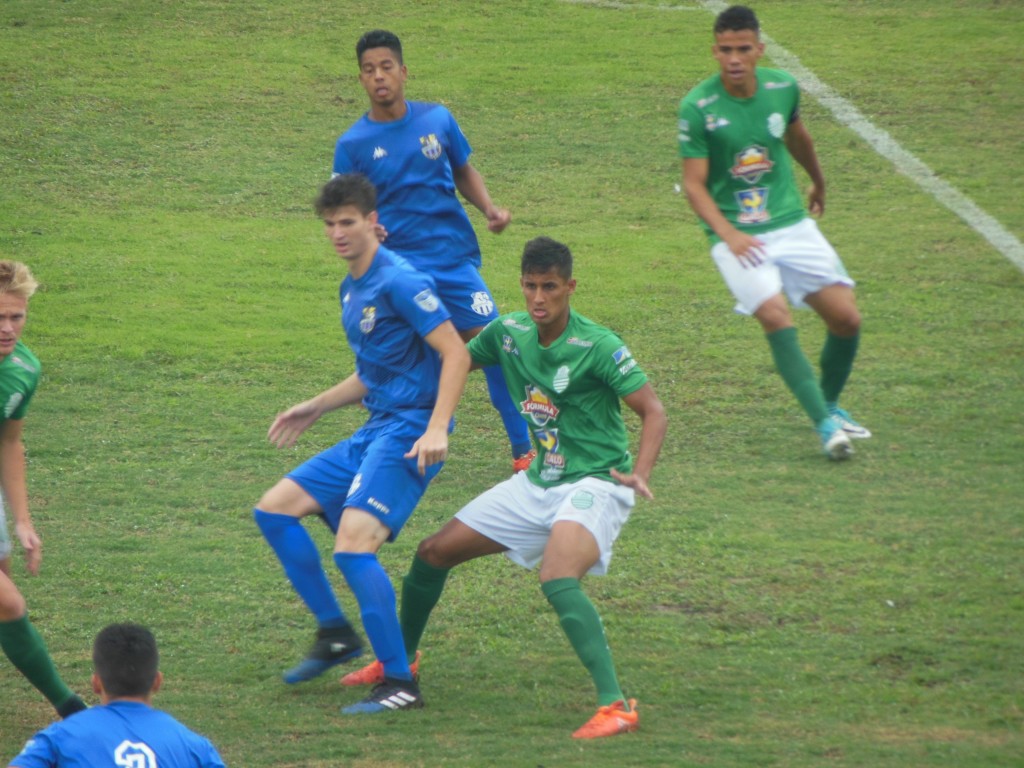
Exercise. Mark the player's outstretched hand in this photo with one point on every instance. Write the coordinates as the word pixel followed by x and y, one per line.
pixel 637 483
pixel 33 546
pixel 381 231
pixel 289 425
pixel 431 448
pixel 498 219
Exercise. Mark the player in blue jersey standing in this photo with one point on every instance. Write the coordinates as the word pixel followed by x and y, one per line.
pixel 411 368
pixel 418 158
pixel 125 729
pixel 19 377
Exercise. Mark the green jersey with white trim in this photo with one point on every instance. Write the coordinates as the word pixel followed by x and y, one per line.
pixel 568 392
pixel 750 170
pixel 19 377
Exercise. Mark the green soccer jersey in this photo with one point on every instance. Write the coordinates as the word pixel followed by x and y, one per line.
pixel 750 171
pixel 568 393
pixel 19 377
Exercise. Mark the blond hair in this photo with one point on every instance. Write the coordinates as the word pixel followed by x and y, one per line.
pixel 16 278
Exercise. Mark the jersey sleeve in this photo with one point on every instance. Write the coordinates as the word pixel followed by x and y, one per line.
pixel 39 752
pixel 483 348
pixel 415 300
pixel 342 162
pixel 693 141
pixel 617 366
pixel 458 145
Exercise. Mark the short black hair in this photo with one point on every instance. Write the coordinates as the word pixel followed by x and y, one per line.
pixel 543 254
pixel 347 189
pixel 125 658
pixel 379 38
pixel 737 18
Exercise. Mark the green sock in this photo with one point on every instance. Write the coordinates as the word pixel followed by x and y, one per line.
pixel 421 589
pixel 583 627
pixel 24 646
pixel 796 372
pixel 836 363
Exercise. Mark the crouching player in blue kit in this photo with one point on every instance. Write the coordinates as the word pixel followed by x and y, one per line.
pixel 418 158
pixel 411 368
pixel 125 729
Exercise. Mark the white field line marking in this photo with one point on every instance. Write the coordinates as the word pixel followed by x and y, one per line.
pixel 885 145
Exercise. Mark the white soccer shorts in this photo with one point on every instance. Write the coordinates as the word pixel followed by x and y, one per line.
pixel 798 260
pixel 520 515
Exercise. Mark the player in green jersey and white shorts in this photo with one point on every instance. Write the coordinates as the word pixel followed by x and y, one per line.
pixel 569 375
pixel 739 132
pixel 19 377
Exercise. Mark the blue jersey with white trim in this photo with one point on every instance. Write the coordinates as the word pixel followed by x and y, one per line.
pixel 410 162
pixel 118 733
pixel 387 314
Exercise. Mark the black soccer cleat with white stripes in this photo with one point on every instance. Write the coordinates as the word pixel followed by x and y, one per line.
pixel 390 696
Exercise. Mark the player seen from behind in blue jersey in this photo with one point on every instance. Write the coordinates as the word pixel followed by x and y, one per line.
pixel 410 370
pixel 739 132
pixel 418 158
pixel 566 511
pixel 125 729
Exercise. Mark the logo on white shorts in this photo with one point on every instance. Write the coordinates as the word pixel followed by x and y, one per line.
pixel 582 500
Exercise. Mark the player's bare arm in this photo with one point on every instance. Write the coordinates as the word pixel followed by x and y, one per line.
pixel 471 186
pixel 653 426
pixel 432 446
pixel 12 480
pixel 801 147
pixel 747 248
pixel 290 424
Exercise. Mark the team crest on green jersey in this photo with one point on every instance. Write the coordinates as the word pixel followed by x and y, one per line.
pixel 430 146
pixel 538 406
pixel 369 319
pixel 751 164
pixel 753 205
pixel 561 380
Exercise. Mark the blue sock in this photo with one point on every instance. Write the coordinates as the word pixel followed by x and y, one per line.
pixel 515 427
pixel 301 561
pixel 372 588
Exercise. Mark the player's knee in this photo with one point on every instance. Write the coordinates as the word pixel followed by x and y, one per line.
pixel 846 324
pixel 12 604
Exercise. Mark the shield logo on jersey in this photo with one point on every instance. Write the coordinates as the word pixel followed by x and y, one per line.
pixel 776 125
pixel 561 380
pixel 538 406
pixel 753 205
pixel 431 147
pixel 751 164
pixel 369 319
pixel 427 301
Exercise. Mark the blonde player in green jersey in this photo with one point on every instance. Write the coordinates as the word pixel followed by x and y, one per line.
pixel 739 131
pixel 569 375
pixel 19 377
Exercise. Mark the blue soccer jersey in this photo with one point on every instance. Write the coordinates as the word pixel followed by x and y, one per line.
pixel 120 733
pixel 387 313
pixel 410 162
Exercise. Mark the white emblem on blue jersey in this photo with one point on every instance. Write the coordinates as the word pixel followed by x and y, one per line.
pixel 427 301
pixel 356 482
pixel 379 153
pixel 345 298
pixel 482 303
pixel 431 147
pixel 369 319
pixel 134 754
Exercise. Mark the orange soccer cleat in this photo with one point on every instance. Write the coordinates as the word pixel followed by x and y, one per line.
pixel 373 673
pixel 610 720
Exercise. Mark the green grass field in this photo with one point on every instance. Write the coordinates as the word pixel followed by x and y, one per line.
pixel 767 609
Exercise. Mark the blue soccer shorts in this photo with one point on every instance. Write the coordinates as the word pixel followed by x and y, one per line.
pixel 369 472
